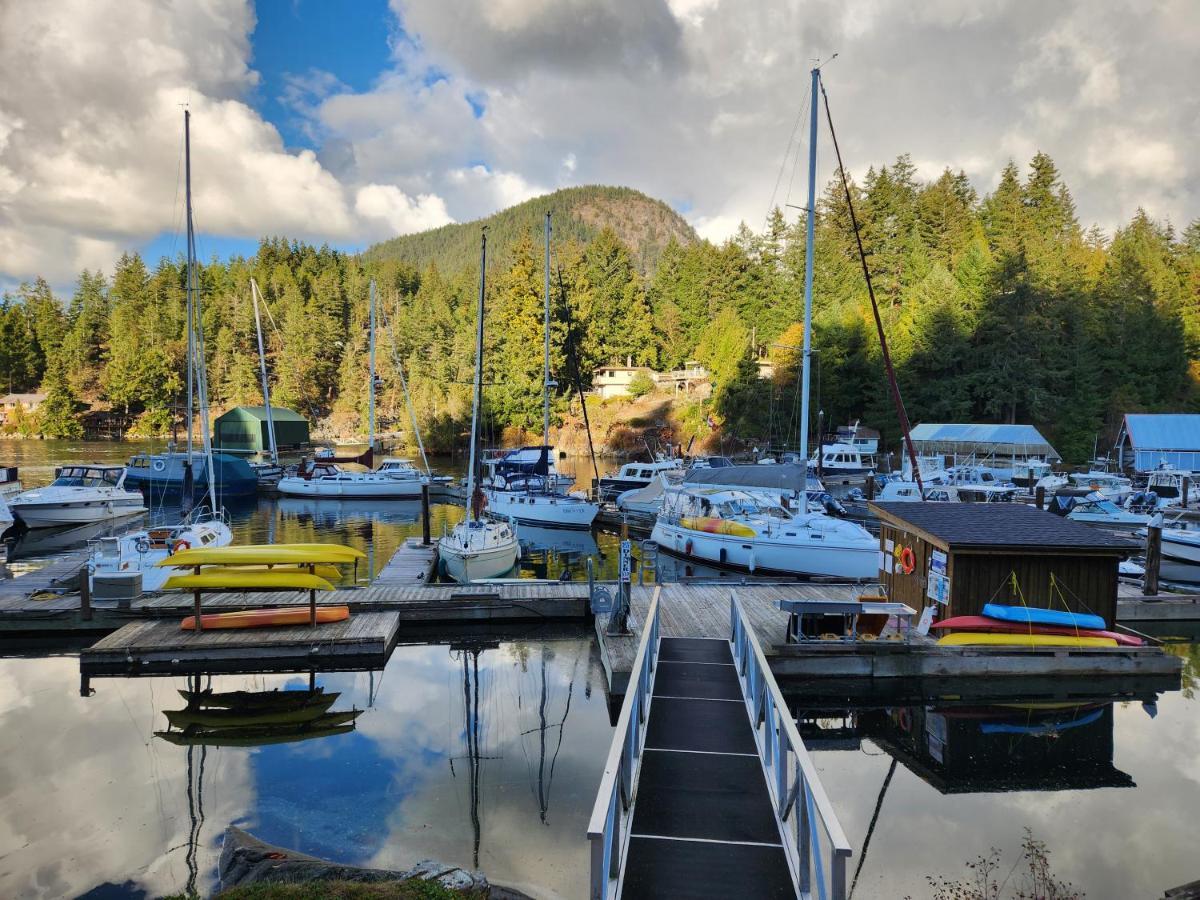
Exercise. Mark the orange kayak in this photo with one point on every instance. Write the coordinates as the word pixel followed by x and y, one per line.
pixel 266 618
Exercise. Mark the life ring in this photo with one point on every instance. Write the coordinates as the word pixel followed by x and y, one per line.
pixel 142 546
pixel 904 719
pixel 908 561
pixel 180 544
pixel 158 466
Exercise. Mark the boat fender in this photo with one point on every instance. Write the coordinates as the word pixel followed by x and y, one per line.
pixel 908 561
pixel 687 548
pixel 724 554
pixel 142 546
pixel 750 562
pixel 180 544
pixel 159 465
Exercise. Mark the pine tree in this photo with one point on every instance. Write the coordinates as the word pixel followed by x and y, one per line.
pixel 58 414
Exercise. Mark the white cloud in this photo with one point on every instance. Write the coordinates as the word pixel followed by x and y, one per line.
pixel 401 213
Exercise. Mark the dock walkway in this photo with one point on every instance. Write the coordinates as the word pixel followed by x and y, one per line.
pixel 413 563
pixel 703 818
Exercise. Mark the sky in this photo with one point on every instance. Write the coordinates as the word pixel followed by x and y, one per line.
pixel 351 121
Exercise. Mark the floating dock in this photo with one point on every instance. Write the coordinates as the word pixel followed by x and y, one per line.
pixel 413 563
pixel 696 611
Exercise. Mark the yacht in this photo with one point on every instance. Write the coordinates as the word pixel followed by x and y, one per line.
pixel 977 484
pixel 476 548
pixel 898 490
pixel 735 529
pixel 636 475
pixel 78 495
pixel 842 459
pixel 1093 508
pixel 1028 473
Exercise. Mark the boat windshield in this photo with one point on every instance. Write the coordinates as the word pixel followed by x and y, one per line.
pixel 732 508
pixel 76 476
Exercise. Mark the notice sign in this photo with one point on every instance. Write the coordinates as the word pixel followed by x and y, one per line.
pixel 937 562
pixel 626 565
pixel 938 588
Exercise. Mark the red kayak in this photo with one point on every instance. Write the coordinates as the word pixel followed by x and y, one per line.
pixel 996 626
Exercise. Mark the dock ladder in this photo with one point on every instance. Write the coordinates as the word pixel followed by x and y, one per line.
pixel 708 790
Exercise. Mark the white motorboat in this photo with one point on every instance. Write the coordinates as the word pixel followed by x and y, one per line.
pixel 1093 508
pixel 1166 484
pixel 978 484
pixel 1181 545
pixel 1028 473
pixel 10 483
pixel 736 530
pixel 648 500
pixel 898 490
pixel 1114 487
pixel 636 475
pixel 476 548
pixel 842 459
pixel 77 496
pixel 124 567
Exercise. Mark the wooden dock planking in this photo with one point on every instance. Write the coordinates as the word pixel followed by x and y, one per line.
pixel 154 646
pixel 56 575
pixel 412 563
pixel 702 611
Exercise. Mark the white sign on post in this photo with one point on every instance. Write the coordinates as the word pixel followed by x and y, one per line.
pixel 926 621
pixel 626 570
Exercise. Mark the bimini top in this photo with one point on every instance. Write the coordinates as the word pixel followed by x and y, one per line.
pixel 1149 431
pixel 1001 526
pixel 986 438
pixel 779 477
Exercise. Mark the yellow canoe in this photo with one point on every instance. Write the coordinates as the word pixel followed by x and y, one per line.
pixel 263 554
pixel 235 580
pixel 973 638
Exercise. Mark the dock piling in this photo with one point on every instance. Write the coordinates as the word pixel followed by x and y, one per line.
pixel 425 523
pixel 1153 556
pixel 85 594
pixel 1039 496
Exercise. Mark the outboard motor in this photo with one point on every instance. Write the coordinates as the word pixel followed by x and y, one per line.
pixel 831 505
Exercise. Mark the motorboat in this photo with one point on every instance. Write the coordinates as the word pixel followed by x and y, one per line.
pixel 1181 545
pixel 647 501
pixel 898 490
pixel 1166 484
pixel 79 494
pixel 636 475
pixel 164 474
pixel 978 484
pixel 477 548
pixel 734 529
pixel 315 478
pixel 124 566
pixel 1114 487
pixel 1093 508
pixel 10 483
pixel 1027 473
pixel 842 459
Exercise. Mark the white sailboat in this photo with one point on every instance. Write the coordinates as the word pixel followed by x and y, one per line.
pixel 477 548
pixel 318 479
pixel 79 495
pixel 536 499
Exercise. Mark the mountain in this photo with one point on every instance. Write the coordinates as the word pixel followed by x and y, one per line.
pixel 643 224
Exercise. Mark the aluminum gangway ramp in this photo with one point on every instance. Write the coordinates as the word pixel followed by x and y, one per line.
pixel 708 791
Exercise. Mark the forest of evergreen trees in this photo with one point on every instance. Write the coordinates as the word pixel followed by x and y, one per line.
pixel 1001 308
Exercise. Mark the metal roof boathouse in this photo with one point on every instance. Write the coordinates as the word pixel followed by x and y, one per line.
pixel 1018 442
pixel 1153 441
pixel 244 429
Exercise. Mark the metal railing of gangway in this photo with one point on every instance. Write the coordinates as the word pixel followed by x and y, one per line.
pixel 792 779
pixel 612 816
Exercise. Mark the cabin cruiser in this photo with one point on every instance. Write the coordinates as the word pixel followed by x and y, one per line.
pixel 78 495
pixel 124 567
pixel 318 478
pixel 899 490
pixel 977 484
pixel 735 529
pixel 1166 484
pixel 1028 473
pixel 1093 508
pixel 636 475
pixel 1113 487
pixel 842 459
pixel 160 474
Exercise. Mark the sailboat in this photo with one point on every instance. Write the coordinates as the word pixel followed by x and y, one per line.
pixel 533 497
pixel 732 528
pixel 321 478
pixel 268 471
pixel 171 472
pixel 477 548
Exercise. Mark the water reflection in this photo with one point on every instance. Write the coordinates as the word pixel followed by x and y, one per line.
pixel 477 751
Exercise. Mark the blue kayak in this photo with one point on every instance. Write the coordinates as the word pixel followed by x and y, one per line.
pixel 1033 616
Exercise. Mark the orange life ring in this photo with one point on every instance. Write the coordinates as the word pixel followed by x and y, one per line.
pixel 908 561
pixel 180 544
pixel 904 719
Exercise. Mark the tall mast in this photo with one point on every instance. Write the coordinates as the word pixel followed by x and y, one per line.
pixel 262 366
pixel 546 328
pixel 371 386
pixel 808 271
pixel 191 348
pixel 478 402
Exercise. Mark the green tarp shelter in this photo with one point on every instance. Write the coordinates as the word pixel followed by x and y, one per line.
pixel 244 429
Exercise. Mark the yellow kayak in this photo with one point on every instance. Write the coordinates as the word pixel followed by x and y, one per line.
pixel 263 555
pixel 714 525
pixel 973 638
pixel 236 580
pixel 323 571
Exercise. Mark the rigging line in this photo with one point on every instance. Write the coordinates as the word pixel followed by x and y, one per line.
pixel 783 162
pixel 862 856
pixel 905 426
pixel 795 168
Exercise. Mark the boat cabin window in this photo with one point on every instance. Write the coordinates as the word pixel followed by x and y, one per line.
pixel 730 508
pixel 646 473
pixel 139 462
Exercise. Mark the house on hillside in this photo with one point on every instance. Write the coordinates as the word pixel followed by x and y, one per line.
pixel 692 380
pixel 28 402
pixel 614 381
pixel 1152 441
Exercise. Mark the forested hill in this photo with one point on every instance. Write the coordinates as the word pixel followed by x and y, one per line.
pixel 643 224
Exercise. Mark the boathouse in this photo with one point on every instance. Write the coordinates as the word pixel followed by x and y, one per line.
pixel 1150 441
pixel 961 442
pixel 959 556
pixel 244 429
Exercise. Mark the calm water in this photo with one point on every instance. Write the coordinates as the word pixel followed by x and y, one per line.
pixel 498 769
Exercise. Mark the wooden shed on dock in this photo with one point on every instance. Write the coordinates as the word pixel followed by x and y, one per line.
pixel 960 556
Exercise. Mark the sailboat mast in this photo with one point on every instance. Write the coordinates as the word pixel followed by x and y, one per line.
pixel 546 329
pixel 478 401
pixel 262 366
pixel 808 271
pixel 371 386
pixel 191 348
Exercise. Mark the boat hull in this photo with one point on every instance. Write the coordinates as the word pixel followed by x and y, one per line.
pixel 382 488
pixel 829 560
pixel 994 639
pixel 1174 548
pixel 465 566
pixel 266 618
pixel 535 509
pixel 79 512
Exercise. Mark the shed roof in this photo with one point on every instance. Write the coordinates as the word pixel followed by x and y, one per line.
pixel 1168 431
pixel 1001 525
pixel 278 413
pixel 1026 437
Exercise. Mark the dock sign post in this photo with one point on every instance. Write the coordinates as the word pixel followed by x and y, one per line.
pixel 617 623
